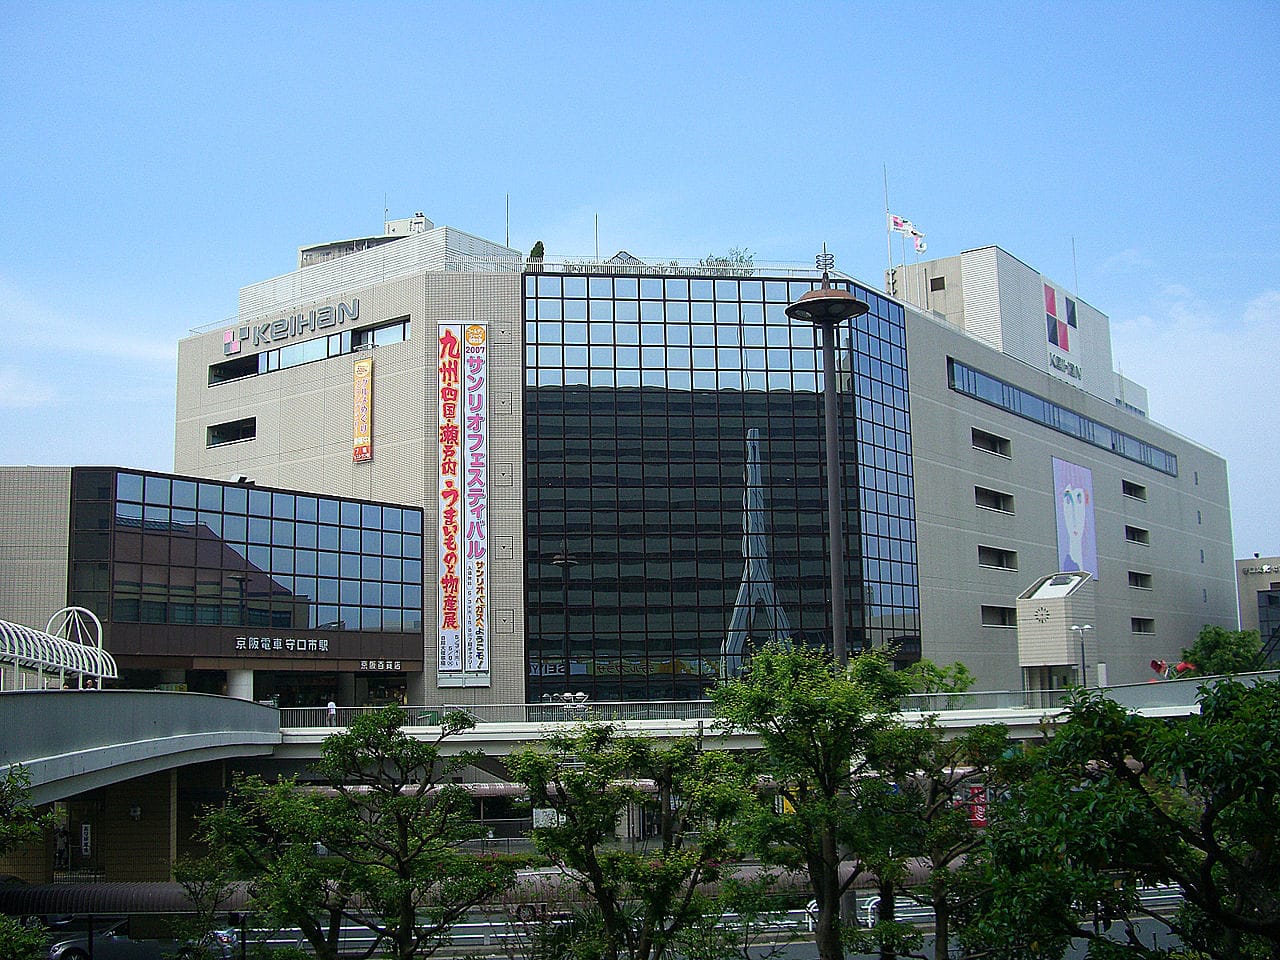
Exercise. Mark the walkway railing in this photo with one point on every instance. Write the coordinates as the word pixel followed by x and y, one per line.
pixel 1174 694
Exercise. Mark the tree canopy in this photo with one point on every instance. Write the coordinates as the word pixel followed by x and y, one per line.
pixel 379 846
pixel 820 725
pixel 648 897
pixel 1218 651
pixel 19 823
pixel 1116 800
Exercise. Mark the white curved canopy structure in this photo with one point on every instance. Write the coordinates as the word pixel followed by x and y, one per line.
pixel 78 657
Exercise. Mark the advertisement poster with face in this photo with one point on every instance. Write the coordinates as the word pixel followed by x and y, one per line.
pixel 1073 494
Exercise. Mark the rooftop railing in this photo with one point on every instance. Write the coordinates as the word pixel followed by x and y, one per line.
pixel 457 262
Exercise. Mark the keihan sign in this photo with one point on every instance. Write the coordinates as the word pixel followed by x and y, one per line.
pixel 295 325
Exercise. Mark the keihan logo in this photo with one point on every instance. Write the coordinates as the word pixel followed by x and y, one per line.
pixel 1059 330
pixel 294 325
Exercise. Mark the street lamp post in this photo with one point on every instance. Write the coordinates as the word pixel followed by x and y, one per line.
pixel 827 308
pixel 1080 629
pixel 566 562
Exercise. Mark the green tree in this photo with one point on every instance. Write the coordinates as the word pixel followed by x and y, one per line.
pixel 208 885
pixel 942 781
pixel 1116 800
pixel 536 256
pixel 1218 651
pixel 926 677
pixel 645 897
pixel 817 722
pixel 738 262
pixel 19 824
pixel 379 847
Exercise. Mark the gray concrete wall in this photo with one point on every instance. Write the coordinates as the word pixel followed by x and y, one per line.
pixel 1189 557
pixel 77 740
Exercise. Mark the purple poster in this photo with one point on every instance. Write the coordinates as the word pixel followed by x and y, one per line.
pixel 1073 494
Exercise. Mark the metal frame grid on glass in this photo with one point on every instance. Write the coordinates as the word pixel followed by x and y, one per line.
pixel 154 548
pixel 675 507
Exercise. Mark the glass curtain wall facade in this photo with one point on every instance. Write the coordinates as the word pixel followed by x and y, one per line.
pixel 246 576
pixel 1269 624
pixel 675 502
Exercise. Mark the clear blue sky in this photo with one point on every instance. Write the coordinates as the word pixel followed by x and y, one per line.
pixel 156 157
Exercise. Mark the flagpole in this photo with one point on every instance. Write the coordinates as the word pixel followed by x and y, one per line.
pixel 888 234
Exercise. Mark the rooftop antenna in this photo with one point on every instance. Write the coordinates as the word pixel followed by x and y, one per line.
pixel 1075 267
pixel 386 212
pixel 508 219
pixel 597 238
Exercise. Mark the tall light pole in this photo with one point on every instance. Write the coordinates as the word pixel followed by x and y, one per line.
pixel 827 308
pixel 566 562
pixel 1080 628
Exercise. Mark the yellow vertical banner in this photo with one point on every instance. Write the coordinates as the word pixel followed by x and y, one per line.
pixel 362 445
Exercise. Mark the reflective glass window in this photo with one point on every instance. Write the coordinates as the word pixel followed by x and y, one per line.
pixel 235 500
pixel 259 503
pixel 157 490
pixel 184 493
pixel 129 487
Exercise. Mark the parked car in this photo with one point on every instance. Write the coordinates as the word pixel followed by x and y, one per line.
pixel 112 942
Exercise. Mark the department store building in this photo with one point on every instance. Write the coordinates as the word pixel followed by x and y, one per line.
pixel 497 479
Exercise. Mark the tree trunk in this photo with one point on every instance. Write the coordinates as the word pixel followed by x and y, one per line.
pixel 887 913
pixel 941 926
pixel 824 877
pixel 826 933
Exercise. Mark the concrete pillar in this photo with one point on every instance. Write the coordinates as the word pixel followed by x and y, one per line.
pixel 346 690
pixel 140 835
pixel 240 684
pixel 415 689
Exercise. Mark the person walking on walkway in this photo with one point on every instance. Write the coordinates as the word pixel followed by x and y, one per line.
pixel 333 713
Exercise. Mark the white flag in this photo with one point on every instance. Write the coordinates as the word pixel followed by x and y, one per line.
pixel 921 246
pixel 899 224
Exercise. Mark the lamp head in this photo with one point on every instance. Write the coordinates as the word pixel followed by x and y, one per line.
pixel 827 305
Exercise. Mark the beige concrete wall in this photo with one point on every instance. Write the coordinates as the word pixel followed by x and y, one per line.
pixel 304 437
pixel 34 526
pixel 145 848
pixel 31 862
